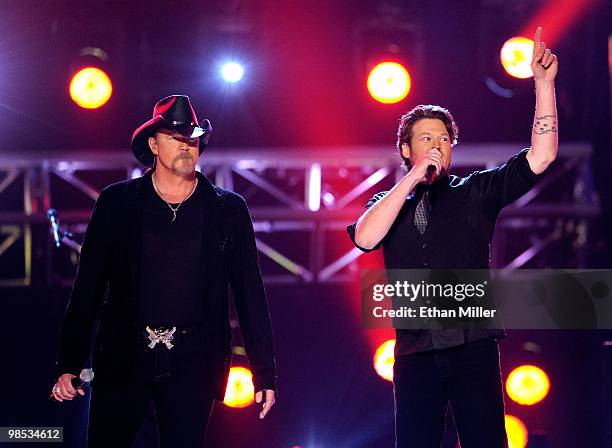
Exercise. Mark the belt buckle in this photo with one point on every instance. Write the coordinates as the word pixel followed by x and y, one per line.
pixel 161 335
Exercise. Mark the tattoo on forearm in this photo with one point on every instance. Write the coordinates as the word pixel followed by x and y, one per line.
pixel 546 124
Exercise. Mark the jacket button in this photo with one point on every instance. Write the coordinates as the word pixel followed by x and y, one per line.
pixel 424 263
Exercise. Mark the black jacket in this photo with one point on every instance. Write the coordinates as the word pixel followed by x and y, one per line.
pixel 109 264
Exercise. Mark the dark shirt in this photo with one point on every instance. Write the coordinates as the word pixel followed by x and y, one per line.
pixel 458 236
pixel 170 291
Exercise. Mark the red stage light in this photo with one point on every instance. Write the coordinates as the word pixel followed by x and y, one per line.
pixel 90 88
pixel 389 82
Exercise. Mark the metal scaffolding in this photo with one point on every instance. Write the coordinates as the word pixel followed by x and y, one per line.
pixel 301 200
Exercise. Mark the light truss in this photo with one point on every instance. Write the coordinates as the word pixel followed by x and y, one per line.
pixel 302 199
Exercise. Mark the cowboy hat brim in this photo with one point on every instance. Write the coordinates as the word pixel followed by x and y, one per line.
pixel 140 138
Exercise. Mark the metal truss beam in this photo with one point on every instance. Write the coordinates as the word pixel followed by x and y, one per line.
pixel 309 216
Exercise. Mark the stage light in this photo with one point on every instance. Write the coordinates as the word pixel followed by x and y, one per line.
pixel 384 359
pixel 136 172
pixel 389 82
pixel 90 88
pixel 313 187
pixel 240 389
pixel 515 56
pixel 328 199
pixel 516 431
pixel 232 72
pixel 527 385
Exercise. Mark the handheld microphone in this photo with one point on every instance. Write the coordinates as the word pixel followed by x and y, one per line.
pixel 431 170
pixel 52 216
pixel 84 378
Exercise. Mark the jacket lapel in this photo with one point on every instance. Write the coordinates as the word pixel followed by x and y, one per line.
pixel 209 220
pixel 133 215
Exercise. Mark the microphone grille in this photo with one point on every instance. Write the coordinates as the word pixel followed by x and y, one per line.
pixel 86 375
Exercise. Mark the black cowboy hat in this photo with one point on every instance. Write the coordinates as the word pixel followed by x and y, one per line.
pixel 174 113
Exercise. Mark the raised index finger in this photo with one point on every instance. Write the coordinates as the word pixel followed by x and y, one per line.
pixel 536 38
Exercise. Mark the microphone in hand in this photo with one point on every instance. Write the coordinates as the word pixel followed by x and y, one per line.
pixel 429 174
pixel 84 378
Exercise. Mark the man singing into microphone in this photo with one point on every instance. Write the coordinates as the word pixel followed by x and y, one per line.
pixel 164 248
pixel 436 220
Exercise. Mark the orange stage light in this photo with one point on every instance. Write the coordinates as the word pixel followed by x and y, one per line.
pixel 527 385
pixel 240 389
pixel 90 88
pixel 389 82
pixel 384 359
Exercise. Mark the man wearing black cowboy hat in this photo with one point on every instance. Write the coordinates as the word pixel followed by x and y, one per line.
pixel 165 247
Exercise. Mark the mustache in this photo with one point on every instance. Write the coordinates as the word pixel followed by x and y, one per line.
pixel 183 156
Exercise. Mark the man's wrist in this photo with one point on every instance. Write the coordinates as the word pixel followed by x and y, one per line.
pixel 409 181
pixel 544 83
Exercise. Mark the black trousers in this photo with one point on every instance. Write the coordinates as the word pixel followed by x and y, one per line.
pixel 468 377
pixel 174 381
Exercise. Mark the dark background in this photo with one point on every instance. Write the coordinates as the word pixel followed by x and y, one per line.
pixel 306 65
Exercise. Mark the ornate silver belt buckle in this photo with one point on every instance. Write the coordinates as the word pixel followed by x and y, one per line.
pixel 161 335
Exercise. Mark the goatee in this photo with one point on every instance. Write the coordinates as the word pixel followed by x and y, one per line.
pixel 181 167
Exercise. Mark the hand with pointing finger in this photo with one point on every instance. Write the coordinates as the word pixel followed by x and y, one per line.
pixel 544 63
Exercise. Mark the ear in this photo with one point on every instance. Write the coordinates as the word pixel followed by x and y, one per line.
pixel 152 145
pixel 405 150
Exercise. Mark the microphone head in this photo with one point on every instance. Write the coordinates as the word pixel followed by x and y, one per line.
pixel 431 170
pixel 52 213
pixel 86 375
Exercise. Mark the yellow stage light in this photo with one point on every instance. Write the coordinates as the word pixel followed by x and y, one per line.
pixel 240 390
pixel 389 82
pixel 515 56
pixel 384 359
pixel 90 88
pixel 527 385
pixel 516 431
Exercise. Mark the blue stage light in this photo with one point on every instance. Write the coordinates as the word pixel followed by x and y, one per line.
pixel 232 72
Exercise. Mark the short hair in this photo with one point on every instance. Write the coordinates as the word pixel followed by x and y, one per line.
pixel 408 120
